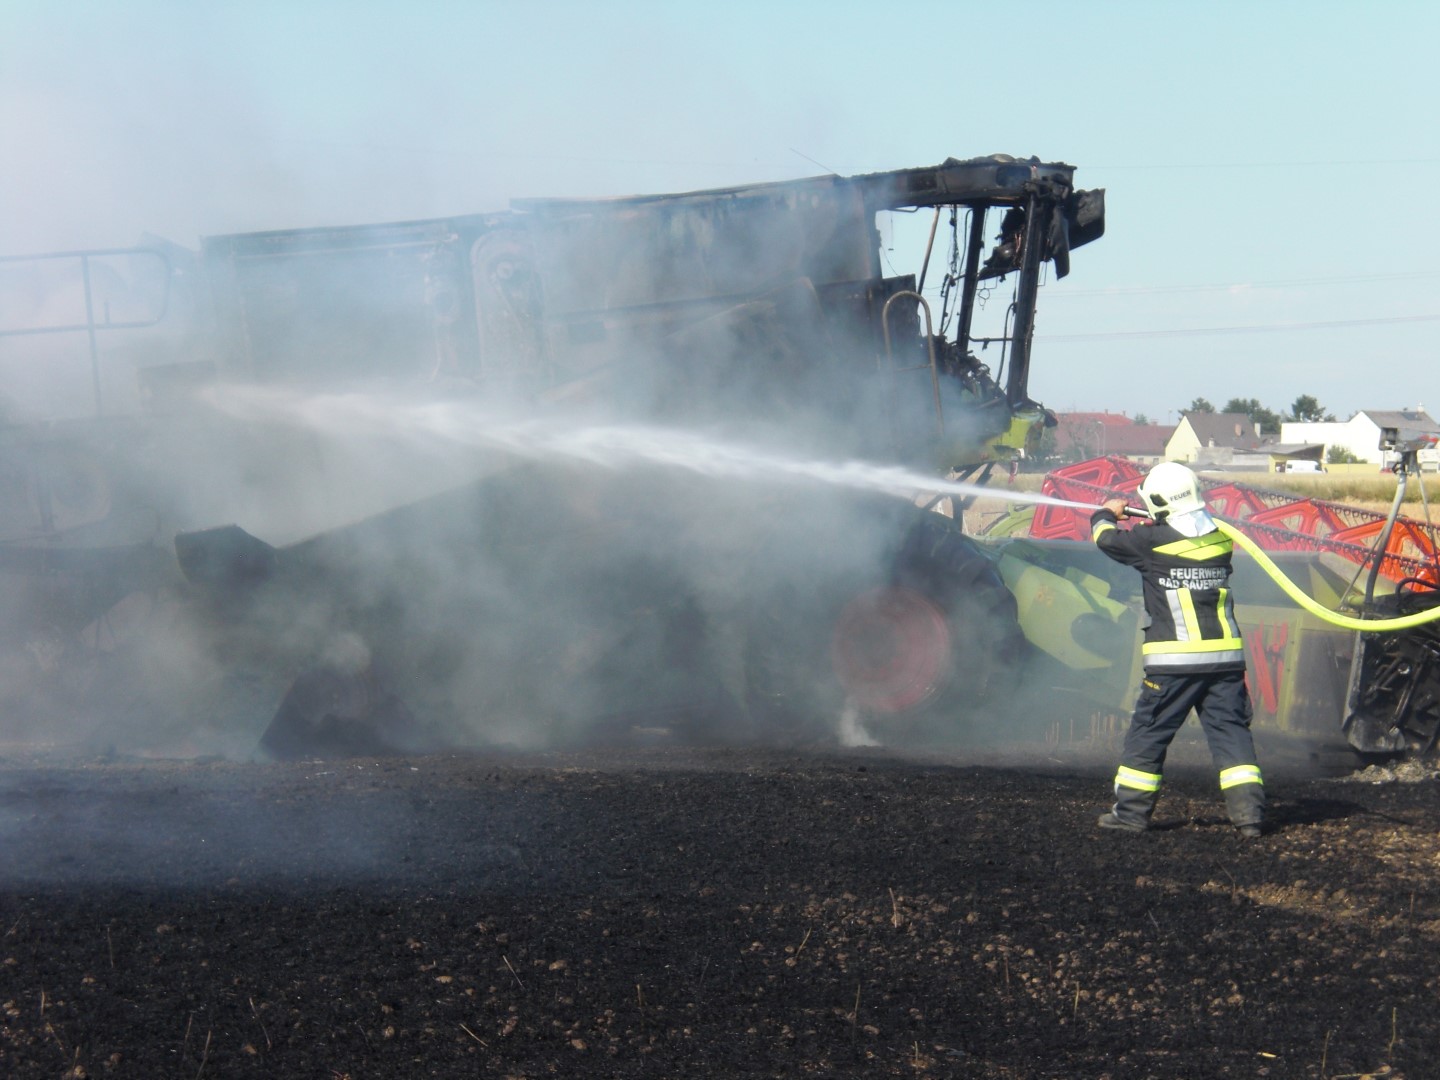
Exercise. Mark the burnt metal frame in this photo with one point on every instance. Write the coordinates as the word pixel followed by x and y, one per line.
pixel 90 326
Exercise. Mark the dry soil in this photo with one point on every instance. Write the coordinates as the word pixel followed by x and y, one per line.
pixel 661 912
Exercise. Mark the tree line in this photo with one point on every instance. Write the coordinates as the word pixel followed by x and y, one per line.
pixel 1304 409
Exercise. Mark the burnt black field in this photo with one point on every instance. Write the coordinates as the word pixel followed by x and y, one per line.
pixel 664 912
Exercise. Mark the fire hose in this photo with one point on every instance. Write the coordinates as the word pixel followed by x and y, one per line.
pixel 1319 610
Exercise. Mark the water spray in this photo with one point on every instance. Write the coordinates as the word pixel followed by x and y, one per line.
pixel 614 446
pixel 609 446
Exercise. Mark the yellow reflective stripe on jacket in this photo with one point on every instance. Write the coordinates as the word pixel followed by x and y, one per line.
pixel 1101 527
pixel 1206 645
pixel 1205 547
pixel 1139 781
pixel 1187 612
pixel 1177 615
pixel 1231 630
pixel 1239 774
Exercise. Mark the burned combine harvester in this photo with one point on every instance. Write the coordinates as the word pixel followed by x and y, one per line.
pixel 402 593
pixel 361 488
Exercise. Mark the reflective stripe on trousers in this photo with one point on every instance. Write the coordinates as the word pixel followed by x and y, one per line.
pixel 1134 778
pixel 1239 774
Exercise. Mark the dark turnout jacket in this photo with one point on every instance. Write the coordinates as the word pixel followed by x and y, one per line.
pixel 1190 626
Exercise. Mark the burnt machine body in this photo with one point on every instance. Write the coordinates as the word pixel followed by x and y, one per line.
pixel 372 592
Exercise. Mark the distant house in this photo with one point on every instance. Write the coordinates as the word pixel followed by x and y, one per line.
pixel 1088 434
pixel 1360 435
pixel 1295 457
pixel 1212 438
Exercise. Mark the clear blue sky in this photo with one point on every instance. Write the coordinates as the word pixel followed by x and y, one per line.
pixel 1268 164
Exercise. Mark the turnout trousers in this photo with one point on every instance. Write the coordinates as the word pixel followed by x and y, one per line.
pixel 1223 704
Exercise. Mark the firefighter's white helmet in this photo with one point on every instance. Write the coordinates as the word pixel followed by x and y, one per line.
pixel 1172 493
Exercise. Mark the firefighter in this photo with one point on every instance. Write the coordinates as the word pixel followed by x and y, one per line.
pixel 1194 658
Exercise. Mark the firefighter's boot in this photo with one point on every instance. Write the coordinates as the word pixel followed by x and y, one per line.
pixel 1136 794
pixel 1132 810
pixel 1244 798
pixel 1108 820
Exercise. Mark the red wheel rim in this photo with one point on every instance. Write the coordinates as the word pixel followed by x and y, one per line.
pixel 891 650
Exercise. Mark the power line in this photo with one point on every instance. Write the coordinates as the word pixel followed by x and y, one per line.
pixel 1259 328
pixel 1195 166
pixel 1132 290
